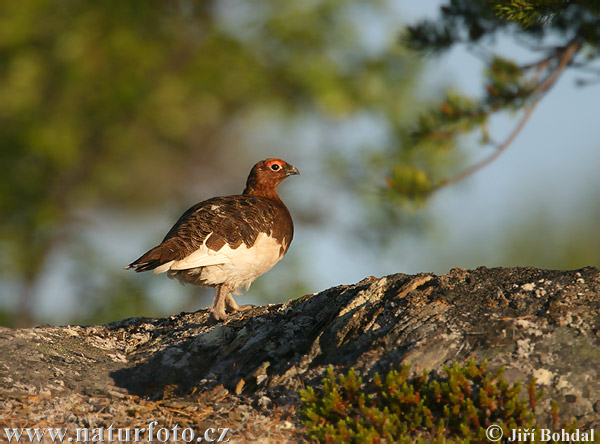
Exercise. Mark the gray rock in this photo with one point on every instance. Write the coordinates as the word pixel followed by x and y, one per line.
pixel 535 322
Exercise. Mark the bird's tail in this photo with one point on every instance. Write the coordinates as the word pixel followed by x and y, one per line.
pixel 152 259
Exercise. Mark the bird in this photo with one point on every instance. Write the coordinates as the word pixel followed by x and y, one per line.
pixel 227 242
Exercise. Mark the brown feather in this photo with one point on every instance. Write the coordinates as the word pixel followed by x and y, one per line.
pixel 231 220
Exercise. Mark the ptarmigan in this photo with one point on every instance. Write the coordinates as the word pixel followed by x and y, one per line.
pixel 227 242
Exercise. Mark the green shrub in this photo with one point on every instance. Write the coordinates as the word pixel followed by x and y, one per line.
pixel 456 408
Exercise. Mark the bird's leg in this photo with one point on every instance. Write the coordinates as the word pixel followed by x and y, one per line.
pixel 233 306
pixel 217 310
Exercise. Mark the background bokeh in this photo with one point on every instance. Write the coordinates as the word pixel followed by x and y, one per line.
pixel 116 116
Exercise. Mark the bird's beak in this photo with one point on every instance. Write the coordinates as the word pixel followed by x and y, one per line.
pixel 290 170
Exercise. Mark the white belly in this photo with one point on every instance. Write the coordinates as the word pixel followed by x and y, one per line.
pixel 237 268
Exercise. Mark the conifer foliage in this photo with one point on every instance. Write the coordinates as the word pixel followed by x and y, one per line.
pixel 559 36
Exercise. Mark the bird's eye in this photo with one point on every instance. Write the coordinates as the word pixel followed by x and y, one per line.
pixel 275 167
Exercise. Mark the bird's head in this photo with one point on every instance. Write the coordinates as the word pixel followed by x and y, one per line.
pixel 266 175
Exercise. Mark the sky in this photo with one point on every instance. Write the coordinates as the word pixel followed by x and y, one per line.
pixel 554 158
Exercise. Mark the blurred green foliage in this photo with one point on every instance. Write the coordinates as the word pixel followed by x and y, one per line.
pixel 539 238
pixel 535 12
pixel 558 35
pixel 119 104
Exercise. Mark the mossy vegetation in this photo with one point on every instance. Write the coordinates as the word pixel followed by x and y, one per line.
pixel 455 408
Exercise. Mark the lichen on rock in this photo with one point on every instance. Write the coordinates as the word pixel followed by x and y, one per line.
pixel 533 322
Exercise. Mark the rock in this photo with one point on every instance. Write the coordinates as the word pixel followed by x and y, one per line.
pixel 264 403
pixel 534 322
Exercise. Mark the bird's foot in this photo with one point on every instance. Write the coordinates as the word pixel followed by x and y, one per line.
pixel 234 306
pixel 223 299
pixel 221 315
pixel 217 311
pixel 218 315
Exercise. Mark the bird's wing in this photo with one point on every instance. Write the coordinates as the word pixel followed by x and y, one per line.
pixel 197 238
pixel 202 257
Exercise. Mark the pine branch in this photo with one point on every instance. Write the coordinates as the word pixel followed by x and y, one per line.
pixel 564 58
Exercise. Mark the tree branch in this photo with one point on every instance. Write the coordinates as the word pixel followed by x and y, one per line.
pixel 499 150
pixel 564 58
